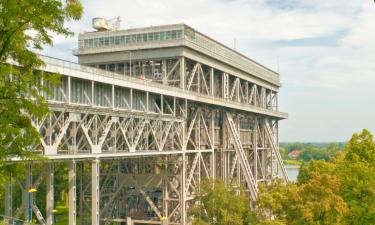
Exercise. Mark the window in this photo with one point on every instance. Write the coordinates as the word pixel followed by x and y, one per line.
pixel 162 36
pixel 168 35
pixel 150 36
pixel 139 38
pixel 173 34
pixel 179 34
pixel 144 37
pixel 156 36
pixel 86 43
pixel 117 40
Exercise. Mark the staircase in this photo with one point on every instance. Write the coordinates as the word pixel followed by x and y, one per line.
pixel 275 149
pixel 251 182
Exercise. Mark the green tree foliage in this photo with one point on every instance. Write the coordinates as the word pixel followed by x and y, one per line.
pixel 221 205
pixel 26 25
pixel 313 153
pixel 338 191
pixel 316 202
pixel 314 167
pixel 357 173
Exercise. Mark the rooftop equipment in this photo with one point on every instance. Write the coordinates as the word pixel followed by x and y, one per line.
pixel 102 24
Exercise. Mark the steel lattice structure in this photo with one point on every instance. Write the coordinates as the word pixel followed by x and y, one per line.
pixel 145 117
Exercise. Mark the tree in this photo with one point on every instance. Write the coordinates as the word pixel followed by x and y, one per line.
pixel 307 170
pixel 356 172
pixel 316 202
pixel 221 205
pixel 313 153
pixel 26 25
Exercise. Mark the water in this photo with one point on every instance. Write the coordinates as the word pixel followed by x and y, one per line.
pixel 292 172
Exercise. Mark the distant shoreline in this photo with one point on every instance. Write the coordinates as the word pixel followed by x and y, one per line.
pixel 292 166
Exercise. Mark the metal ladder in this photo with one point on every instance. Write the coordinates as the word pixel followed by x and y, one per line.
pixel 275 149
pixel 251 182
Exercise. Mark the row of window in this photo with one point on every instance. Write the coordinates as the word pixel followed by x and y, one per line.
pixel 132 38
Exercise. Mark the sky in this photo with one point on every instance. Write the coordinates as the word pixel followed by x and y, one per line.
pixel 323 50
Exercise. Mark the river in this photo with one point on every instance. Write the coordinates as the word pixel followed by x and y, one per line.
pixel 292 172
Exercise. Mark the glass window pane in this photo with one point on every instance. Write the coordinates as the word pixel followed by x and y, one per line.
pixel 144 37
pixel 168 35
pixel 173 34
pixel 162 36
pixel 139 38
pixel 156 36
pixel 150 36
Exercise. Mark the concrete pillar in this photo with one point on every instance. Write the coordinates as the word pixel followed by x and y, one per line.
pixel 95 192
pixel 50 204
pixel 72 193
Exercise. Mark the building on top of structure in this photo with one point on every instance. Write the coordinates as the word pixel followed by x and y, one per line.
pixel 145 116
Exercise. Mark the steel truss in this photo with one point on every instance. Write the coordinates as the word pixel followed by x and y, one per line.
pixel 139 156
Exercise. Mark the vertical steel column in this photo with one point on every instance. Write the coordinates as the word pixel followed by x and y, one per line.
pixel 131 99
pixel 50 193
pixel 27 195
pixel 183 189
pixel 182 73
pixel 95 195
pixel 72 192
pixel 183 170
pixel 8 201
pixel 212 83
pixel 165 199
pixel 81 194
pixel 69 90
pixel 255 149
pixel 212 128
pixel 164 71
pixel 113 96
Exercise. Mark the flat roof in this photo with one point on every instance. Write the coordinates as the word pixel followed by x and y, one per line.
pixel 97 42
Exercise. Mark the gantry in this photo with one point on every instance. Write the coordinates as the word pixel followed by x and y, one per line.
pixel 145 116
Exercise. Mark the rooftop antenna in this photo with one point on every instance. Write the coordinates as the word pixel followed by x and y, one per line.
pixel 234 43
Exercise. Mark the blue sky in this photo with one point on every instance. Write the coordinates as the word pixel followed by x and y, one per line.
pixel 324 51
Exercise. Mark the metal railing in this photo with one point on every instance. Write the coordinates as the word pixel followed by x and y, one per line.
pixel 91 70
